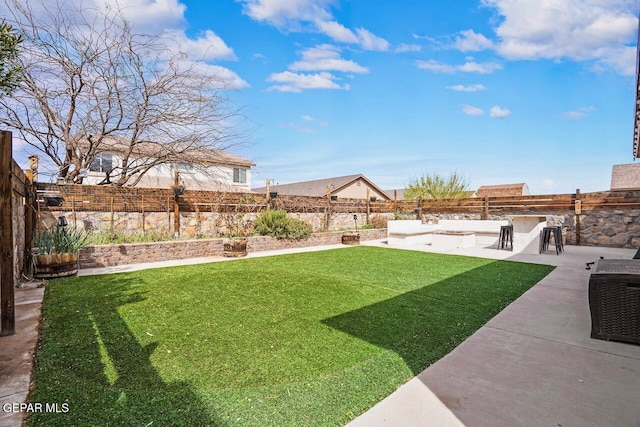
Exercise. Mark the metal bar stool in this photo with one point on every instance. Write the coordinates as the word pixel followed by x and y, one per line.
pixel 545 239
pixel 506 237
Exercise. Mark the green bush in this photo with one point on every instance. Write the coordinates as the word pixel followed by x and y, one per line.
pixel 278 224
pixel 60 240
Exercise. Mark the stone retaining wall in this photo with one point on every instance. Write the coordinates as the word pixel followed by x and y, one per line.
pixel 193 224
pixel 133 253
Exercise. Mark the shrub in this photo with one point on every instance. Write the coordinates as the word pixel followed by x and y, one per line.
pixel 278 224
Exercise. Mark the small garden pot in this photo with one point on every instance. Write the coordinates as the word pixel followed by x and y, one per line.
pixel 235 248
pixel 56 265
pixel 351 238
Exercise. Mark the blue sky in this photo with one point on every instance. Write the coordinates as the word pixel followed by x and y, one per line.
pixel 500 91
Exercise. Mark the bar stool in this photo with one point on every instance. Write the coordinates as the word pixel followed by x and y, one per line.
pixel 506 236
pixel 545 239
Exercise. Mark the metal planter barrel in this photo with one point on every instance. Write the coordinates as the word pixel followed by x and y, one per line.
pixel 235 248
pixel 53 266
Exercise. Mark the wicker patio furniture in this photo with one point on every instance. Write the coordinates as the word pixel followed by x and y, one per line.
pixel 614 300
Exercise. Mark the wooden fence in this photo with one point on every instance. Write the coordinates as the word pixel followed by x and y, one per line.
pixel 17 220
pixel 77 198
pixel 126 199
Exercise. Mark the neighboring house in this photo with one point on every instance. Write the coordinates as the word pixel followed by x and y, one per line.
pixel 200 169
pixel 398 193
pixel 349 187
pixel 503 190
pixel 625 177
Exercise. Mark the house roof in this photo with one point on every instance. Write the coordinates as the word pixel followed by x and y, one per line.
pixel 519 189
pixel 173 152
pixel 399 192
pixel 318 187
pixel 625 177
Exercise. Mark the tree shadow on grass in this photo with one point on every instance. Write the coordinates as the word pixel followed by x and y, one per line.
pixel 91 360
pixel 423 325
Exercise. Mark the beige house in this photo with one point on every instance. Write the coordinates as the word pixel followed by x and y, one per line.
pixel 503 190
pixel 348 187
pixel 197 168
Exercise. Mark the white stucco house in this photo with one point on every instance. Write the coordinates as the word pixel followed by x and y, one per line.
pixel 198 169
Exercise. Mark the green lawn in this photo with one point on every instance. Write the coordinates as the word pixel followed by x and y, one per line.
pixel 305 339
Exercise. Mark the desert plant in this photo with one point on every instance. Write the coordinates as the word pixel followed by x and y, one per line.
pixel 277 223
pixel 60 240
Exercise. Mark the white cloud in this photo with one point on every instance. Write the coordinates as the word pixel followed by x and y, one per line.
pixel 436 66
pixel 309 16
pixel 470 88
pixel 470 41
pixel 293 82
pixel 148 16
pixel 470 110
pixel 403 47
pixel 337 31
pixel 215 73
pixel 481 68
pixel 208 46
pixel 578 113
pixel 326 58
pixel 467 67
pixel 369 41
pixel 286 13
pixel 499 112
pixel 322 123
pixel 599 30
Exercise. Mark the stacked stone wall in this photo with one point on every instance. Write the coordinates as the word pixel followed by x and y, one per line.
pixel 134 253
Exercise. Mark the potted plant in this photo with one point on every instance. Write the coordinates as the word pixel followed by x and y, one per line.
pixel 58 250
pixel 178 190
pixel 235 247
pixel 352 237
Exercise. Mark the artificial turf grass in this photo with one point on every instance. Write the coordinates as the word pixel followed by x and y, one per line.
pixel 304 339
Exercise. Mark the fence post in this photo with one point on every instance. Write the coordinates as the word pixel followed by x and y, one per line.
pixel 578 211
pixel 142 214
pixel 29 224
pixel 111 218
pixel 176 217
pixel 485 212
pixel 7 296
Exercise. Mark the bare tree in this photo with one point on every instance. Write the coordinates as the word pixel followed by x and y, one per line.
pixel 92 84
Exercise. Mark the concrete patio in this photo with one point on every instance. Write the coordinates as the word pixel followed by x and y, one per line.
pixel 533 364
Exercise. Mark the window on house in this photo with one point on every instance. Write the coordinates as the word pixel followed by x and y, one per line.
pixel 103 162
pixel 181 166
pixel 239 176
